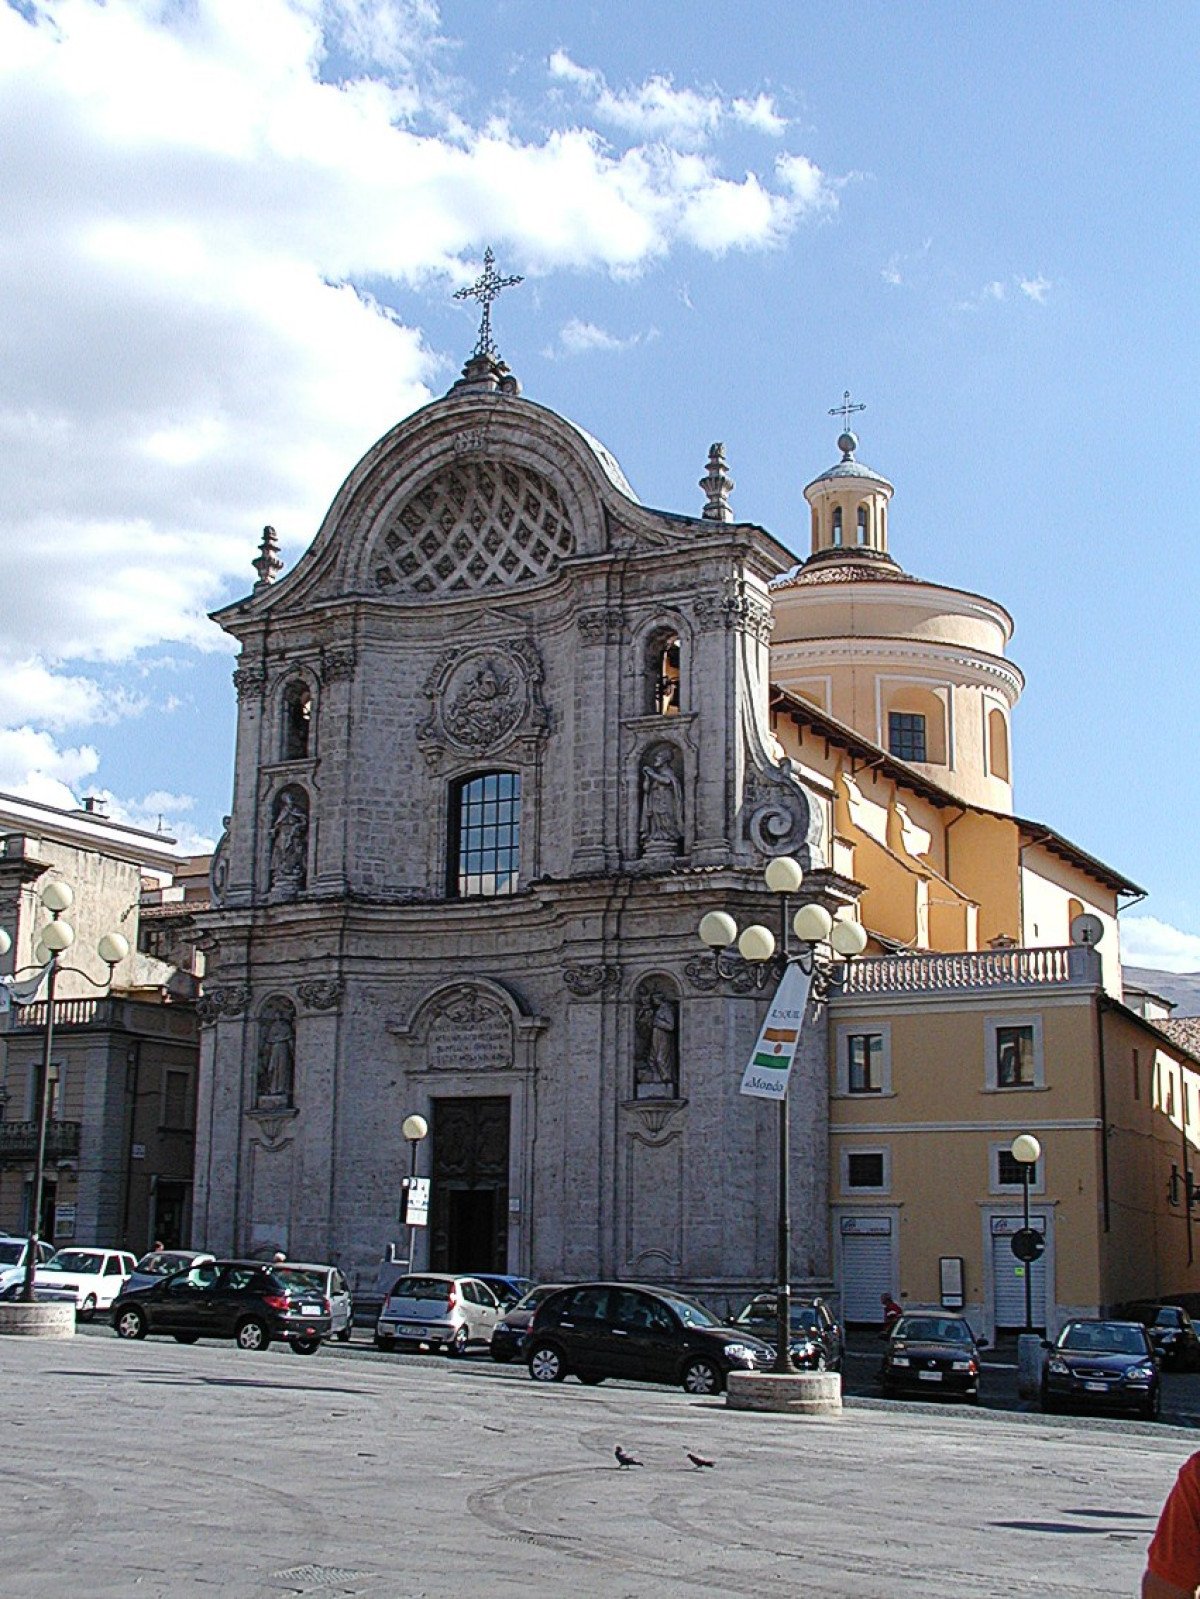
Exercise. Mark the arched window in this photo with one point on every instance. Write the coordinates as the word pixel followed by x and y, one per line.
pixel 837 524
pixel 863 524
pixel 485 835
pixel 997 744
pixel 297 722
pixel 662 675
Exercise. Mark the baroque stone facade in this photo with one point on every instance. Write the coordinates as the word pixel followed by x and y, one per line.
pixel 475 823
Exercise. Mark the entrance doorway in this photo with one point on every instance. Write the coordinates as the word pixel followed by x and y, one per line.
pixel 469 1217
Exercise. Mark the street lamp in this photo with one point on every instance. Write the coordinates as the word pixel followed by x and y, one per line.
pixel 1027 1152
pixel 813 926
pixel 55 938
pixel 414 1128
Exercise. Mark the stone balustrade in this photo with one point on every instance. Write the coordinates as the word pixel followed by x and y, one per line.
pixel 971 971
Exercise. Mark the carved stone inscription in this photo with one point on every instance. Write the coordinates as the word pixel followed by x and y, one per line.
pixel 469 1033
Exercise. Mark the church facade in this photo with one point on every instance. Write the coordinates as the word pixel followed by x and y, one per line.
pixel 503 739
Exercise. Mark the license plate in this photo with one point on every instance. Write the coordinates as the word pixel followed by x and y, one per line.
pixel 1096 1387
pixel 310 1310
pixel 410 1331
pixel 930 1376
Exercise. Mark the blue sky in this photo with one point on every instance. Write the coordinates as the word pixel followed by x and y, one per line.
pixel 232 234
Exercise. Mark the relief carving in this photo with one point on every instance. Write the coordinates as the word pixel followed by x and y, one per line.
pixel 602 627
pixel 660 818
pixel 320 993
pixel 337 662
pixel 469 1032
pixel 226 999
pixel 250 681
pixel 481 698
pixel 587 980
pixel 289 842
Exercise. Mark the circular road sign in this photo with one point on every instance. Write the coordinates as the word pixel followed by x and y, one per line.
pixel 1027 1244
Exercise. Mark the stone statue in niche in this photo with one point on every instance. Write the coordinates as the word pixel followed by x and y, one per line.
pixel 276 1055
pixel 656 1059
pixel 289 841
pixel 484 709
pixel 661 819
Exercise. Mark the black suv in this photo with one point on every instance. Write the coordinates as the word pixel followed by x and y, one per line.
pixel 599 1330
pixel 239 1299
pixel 1173 1334
pixel 817 1342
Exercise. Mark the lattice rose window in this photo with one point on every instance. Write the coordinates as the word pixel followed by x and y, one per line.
pixel 480 525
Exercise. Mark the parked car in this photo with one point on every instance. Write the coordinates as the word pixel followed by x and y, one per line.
pixel 599 1330
pixel 438 1309
pixel 1102 1365
pixel 507 1289
pixel 239 1299
pixel 509 1334
pixel 329 1285
pixel 91 1278
pixel 162 1263
pixel 817 1342
pixel 1172 1332
pixel 13 1255
pixel 932 1352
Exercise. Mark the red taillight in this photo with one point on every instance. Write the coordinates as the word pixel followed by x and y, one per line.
pixel 276 1301
pixel 328 1307
pixel 451 1297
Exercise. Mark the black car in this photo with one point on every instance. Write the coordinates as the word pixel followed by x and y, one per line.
pixel 509 1335
pixel 817 1342
pixel 929 1352
pixel 1173 1334
pixel 239 1299
pixel 599 1330
pixel 1102 1365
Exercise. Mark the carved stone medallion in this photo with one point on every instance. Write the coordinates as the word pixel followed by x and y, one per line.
pixel 482 697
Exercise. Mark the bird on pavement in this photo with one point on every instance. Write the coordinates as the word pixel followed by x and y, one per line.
pixel 698 1461
pixel 623 1459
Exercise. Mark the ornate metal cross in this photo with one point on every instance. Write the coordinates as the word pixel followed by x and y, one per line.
pixel 846 410
pixel 485 289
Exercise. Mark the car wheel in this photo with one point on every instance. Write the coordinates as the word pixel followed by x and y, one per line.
pixel 186 1338
pixel 888 1390
pixel 702 1377
pixel 343 1337
pixel 131 1323
pixel 306 1346
pixel 546 1364
pixel 253 1334
pixel 382 1341
pixel 457 1347
pixel 88 1309
pixel 1152 1409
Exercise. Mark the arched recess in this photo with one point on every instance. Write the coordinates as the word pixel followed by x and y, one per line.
pixel 997 729
pixel 288 841
pixel 297 720
pixel 656 1053
pixel 914 723
pixel 275 1062
pixel 837 525
pixel 864 523
pixel 662 672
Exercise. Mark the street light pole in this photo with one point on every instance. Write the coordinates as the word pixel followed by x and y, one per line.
pixel 1026 1149
pixel 812 926
pixel 414 1129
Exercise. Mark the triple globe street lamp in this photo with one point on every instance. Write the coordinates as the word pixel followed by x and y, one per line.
pixel 815 930
pixel 54 940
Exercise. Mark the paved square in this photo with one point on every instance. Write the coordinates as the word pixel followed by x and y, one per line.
pixel 153 1470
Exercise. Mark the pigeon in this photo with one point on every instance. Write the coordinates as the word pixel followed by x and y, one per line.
pixel 699 1461
pixel 623 1459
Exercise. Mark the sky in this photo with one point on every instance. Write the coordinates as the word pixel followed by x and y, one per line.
pixel 230 236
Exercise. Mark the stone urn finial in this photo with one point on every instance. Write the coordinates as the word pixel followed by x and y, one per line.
pixel 269 562
pixel 718 485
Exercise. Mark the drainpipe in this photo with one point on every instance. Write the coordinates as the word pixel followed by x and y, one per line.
pixel 1100 1009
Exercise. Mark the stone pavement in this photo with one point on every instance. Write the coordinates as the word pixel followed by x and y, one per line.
pixel 154 1470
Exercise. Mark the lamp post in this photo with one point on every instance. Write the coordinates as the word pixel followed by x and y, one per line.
pixel 414 1129
pixel 55 938
pixel 1027 1151
pixel 812 926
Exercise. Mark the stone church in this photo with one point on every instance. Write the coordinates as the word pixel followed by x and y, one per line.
pixel 503 739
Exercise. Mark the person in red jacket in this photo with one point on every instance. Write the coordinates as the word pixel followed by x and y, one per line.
pixel 1173 1559
pixel 892 1312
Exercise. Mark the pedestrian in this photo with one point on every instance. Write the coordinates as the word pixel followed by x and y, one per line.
pixel 1173 1559
pixel 278 1258
pixel 892 1312
pixel 159 1246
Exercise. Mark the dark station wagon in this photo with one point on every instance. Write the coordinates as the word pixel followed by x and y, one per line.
pixel 239 1299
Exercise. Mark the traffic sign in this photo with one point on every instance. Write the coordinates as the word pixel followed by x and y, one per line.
pixel 1027 1244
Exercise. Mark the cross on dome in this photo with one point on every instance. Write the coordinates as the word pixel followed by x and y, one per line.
pixel 486 289
pixel 846 410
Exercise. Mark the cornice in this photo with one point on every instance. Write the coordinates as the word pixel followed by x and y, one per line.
pixel 944 658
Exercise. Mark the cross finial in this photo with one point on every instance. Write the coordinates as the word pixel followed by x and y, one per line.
pixel 485 289
pixel 846 410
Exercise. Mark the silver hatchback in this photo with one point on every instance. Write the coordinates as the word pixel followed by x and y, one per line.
pixel 439 1310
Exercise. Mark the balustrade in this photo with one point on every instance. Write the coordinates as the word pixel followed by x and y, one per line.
pixel 972 970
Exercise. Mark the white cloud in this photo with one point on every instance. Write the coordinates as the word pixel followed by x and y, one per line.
pixel 996 292
pixel 197 215
pixel 33 766
pixel 1035 288
pixel 1146 941
pixel 584 338
pixel 760 114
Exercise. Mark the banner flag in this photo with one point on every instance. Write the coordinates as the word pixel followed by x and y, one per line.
pixel 766 1077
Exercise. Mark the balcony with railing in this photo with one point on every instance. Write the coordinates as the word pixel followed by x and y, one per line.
pixel 18 1141
pixel 67 1013
pixel 972 972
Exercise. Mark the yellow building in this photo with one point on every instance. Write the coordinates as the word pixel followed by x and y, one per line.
pixel 991 1002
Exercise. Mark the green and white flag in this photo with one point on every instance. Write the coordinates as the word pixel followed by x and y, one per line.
pixel 766 1077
